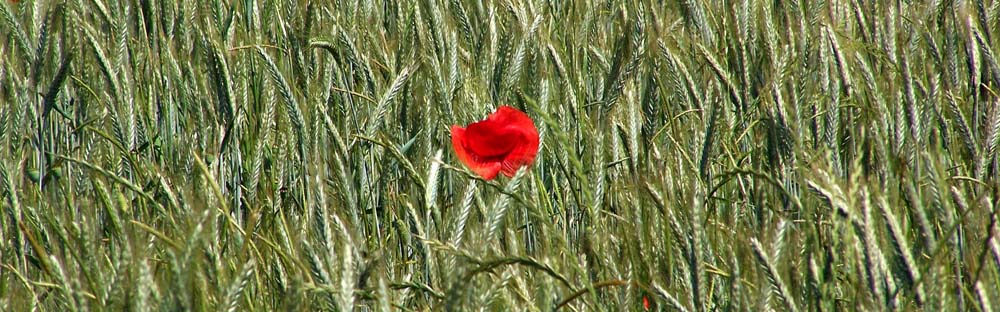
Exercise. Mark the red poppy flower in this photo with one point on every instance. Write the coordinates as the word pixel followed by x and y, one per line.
pixel 504 142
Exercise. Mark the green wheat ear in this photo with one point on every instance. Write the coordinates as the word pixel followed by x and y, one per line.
pixel 280 155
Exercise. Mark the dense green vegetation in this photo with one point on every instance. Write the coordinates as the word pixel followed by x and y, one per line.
pixel 271 155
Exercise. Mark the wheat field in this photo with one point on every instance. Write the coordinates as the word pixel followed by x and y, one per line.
pixel 261 155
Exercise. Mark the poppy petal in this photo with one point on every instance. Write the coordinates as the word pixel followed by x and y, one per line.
pixel 487 169
pixel 522 129
pixel 511 117
pixel 488 140
pixel 524 154
pixel 504 142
